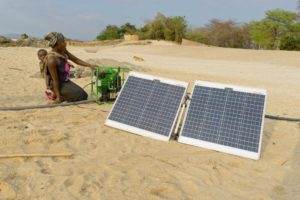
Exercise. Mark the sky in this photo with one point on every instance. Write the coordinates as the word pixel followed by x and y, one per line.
pixel 84 19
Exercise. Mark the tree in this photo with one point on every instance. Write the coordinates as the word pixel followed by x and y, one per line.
pixel 291 41
pixel 175 28
pixel 244 36
pixel 127 29
pixel 157 27
pixel 220 33
pixel 281 22
pixel 224 34
pixel 144 32
pixel 288 42
pixel 111 32
pixel 268 32
pixel 261 34
pixel 164 28
pixel 281 17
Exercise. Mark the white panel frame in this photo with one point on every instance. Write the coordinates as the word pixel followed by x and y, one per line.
pixel 139 131
pixel 219 147
pixel 161 79
pixel 234 87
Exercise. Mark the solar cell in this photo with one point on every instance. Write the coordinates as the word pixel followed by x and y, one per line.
pixel 225 118
pixel 147 106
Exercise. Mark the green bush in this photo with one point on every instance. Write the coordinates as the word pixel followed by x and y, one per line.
pixel 144 32
pixel 175 28
pixel 278 26
pixel 196 35
pixel 111 32
pixel 156 27
pixel 290 42
pixel 261 34
pixel 4 40
pixel 128 29
pixel 164 28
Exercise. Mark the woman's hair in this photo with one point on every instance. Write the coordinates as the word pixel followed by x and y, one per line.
pixel 53 38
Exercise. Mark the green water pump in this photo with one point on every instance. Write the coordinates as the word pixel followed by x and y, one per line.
pixel 107 82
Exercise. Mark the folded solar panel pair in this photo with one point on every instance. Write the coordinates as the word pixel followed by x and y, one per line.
pixel 219 117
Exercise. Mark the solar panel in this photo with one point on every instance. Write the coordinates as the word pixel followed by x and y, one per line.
pixel 147 106
pixel 225 118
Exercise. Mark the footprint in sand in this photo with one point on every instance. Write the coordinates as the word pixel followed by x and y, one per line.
pixel 168 191
pixel 278 191
pixel 44 168
pixel 68 182
pixel 158 192
pixel 6 191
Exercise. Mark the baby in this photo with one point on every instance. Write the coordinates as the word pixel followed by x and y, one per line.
pixel 42 53
pixel 49 94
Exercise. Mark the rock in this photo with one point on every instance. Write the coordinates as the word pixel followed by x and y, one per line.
pixel 23 41
pixel 139 59
pixel 4 40
pixel 30 42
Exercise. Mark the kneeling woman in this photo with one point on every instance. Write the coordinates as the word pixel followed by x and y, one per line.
pixel 57 70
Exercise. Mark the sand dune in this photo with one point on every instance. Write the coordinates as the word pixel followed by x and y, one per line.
pixel 112 164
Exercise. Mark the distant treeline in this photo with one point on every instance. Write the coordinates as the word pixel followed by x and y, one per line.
pixel 279 29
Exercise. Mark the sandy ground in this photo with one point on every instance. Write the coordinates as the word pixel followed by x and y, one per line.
pixel 112 164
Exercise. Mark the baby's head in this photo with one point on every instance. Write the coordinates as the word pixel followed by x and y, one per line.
pixel 42 54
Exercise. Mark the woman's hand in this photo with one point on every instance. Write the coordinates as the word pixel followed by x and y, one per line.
pixel 80 62
pixel 93 66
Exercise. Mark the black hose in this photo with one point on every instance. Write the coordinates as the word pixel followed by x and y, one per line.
pixel 282 118
pixel 18 108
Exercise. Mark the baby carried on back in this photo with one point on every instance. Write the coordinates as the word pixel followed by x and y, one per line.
pixel 57 71
pixel 63 71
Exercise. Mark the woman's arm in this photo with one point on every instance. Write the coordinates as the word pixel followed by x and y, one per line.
pixel 51 64
pixel 78 61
